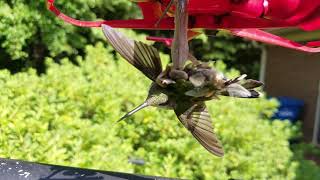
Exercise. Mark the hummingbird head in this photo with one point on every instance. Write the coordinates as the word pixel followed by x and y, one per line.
pixel 157 97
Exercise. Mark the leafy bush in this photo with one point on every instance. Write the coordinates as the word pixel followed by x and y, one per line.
pixel 236 52
pixel 66 117
pixel 28 31
pixel 307 169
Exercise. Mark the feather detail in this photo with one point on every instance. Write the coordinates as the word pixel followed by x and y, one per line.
pixel 236 90
pixel 142 56
pixel 251 84
pixel 197 120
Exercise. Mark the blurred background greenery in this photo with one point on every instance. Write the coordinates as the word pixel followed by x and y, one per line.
pixel 62 87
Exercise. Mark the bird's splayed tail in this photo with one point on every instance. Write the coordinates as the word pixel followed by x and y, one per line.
pixel 143 105
pixel 244 90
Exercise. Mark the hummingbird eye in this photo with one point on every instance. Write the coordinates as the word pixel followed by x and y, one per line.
pixel 164 105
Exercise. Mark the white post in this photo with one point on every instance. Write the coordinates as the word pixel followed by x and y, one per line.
pixel 317 119
pixel 263 64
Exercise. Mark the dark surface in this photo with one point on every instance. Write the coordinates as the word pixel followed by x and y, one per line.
pixel 18 170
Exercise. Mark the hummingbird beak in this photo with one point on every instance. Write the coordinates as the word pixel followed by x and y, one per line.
pixel 133 111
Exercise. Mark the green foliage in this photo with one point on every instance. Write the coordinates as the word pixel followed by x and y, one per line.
pixel 66 117
pixel 28 31
pixel 307 169
pixel 238 53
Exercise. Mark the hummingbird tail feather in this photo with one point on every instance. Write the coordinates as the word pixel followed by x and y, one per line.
pixel 237 90
pixel 251 84
pixel 246 89
pixel 143 105
pixel 235 80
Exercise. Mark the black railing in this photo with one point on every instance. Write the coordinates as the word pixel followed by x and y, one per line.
pixel 22 170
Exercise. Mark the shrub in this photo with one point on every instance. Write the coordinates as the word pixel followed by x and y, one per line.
pixel 30 32
pixel 66 117
pixel 307 169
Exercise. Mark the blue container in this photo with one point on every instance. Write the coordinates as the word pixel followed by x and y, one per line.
pixel 290 108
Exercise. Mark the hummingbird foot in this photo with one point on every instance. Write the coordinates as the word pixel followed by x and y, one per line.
pixel 176 74
pixel 164 82
pixel 163 79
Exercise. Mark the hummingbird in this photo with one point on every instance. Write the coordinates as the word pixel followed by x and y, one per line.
pixel 184 91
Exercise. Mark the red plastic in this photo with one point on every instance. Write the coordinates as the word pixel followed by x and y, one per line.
pixel 242 17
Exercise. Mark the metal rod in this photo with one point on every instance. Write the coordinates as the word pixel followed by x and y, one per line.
pixel 180 47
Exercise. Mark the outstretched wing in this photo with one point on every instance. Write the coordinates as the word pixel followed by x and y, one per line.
pixel 197 120
pixel 142 56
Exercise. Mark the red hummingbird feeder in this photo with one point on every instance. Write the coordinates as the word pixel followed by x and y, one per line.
pixel 244 18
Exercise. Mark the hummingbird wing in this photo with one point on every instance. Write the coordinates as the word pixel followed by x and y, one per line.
pixel 197 120
pixel 142 56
